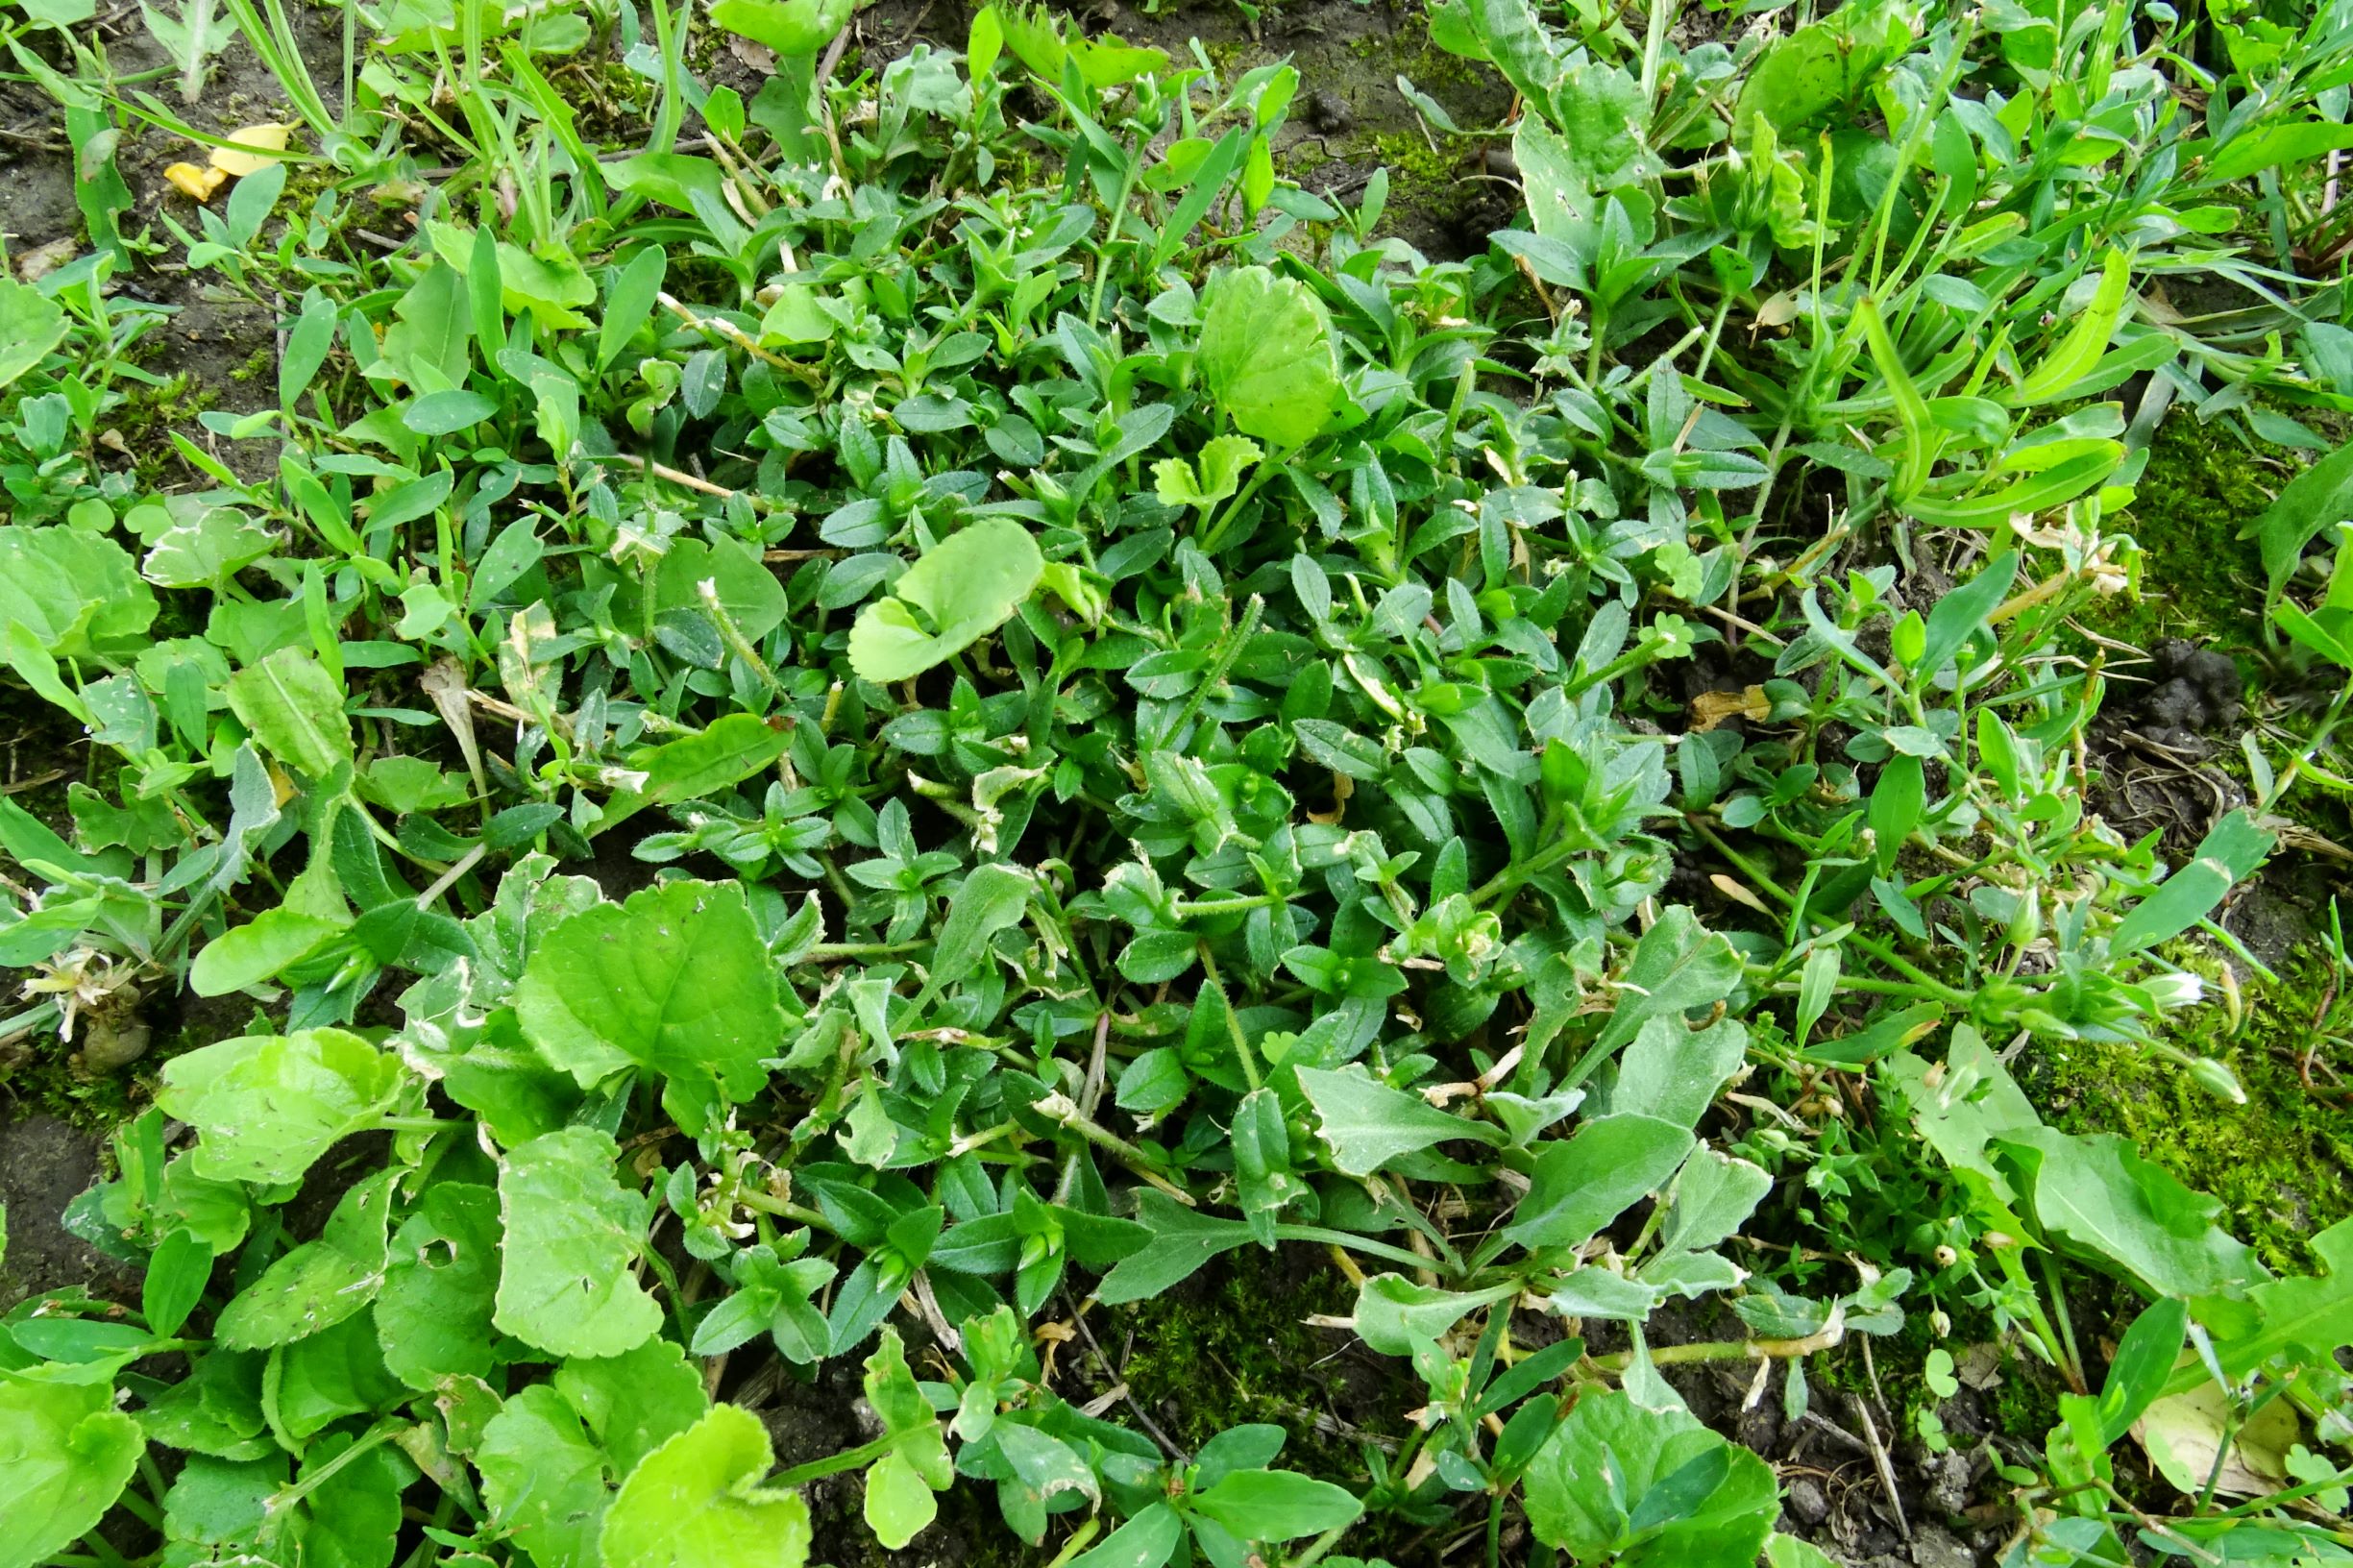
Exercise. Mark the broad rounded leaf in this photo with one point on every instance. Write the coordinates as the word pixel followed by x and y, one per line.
pixel 295 710
pixel 1689 1497
pixel 697 1502
pixel 635 1402
pixel 959 590
pixel 544 1476
pixel 572 1233
pixel 65 1453
pixel 1266 354
pixel 899 1504
pixel 676 980
pixel 441 1281
pixel 77 594
pixel 268 1105
pixel 30 324
pixel 789 26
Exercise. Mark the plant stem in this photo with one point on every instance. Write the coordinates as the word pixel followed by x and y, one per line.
pixel 1233 1019
pixel 1353 1243
pixel 833 1464
pixel 784 1210
pixel 1062 1109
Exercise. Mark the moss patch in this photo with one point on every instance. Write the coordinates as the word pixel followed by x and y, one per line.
pixel 2201 580
pixel 2278 1163
pixel 1235 1348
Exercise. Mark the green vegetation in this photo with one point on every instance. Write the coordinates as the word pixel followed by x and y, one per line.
pixel 865 792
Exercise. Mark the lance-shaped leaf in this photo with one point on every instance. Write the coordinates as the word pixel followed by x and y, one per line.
pixel 2099 1195
pixel 320 1282
pixel 1393 1315
pixel 1183 1240
pixel 1368 1124
pixel 1583 1183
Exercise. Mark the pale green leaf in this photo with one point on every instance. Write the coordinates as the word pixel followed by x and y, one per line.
pixel 565 1284
pixel 1368 1124
pixel 320 1282
pixel 77 595
pixel 697 1502
pixel 2098 1193
pixel 65 1453
pixel 676 980
pixel 635 1402
pixel 789 26
pixel 441 1280
pixel 959 591
pixel 899 1504
pixel 544 1476
pixel 1714 1194
pixel 30 324
pixel 295 709
pixel 1393 1313
pixel 1268 358
pixel 268 1105
pixel 248 955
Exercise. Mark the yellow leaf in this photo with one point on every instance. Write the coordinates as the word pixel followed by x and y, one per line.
pixel 2184 1434
pixel 198 184
pixel 1709 709
pixel 265 137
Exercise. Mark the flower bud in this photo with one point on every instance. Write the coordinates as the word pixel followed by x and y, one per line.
pixel 2218 1080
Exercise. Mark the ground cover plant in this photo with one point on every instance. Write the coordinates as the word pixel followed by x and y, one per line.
pixel 844 723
